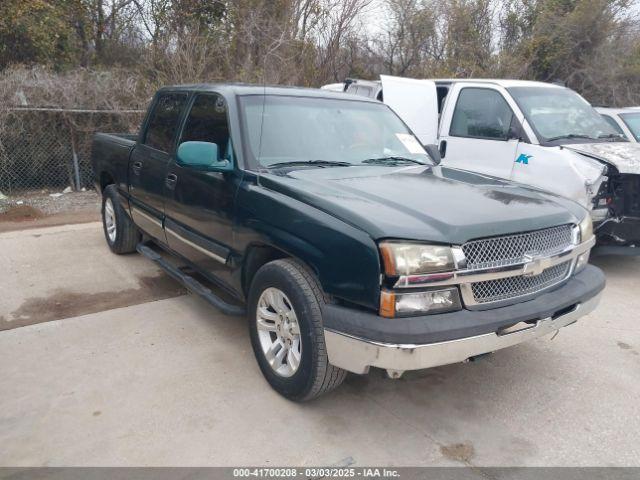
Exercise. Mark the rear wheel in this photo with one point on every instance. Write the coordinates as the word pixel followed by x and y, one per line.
pixel 121 234
pixel 285 323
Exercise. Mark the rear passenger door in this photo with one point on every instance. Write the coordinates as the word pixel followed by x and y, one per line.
pixel 150 159
pixel 199 204
pixel 475 135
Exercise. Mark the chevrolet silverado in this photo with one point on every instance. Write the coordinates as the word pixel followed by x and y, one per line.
pixel 321 218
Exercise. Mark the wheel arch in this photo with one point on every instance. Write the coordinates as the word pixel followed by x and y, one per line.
pixel 105 179
pixel 258 255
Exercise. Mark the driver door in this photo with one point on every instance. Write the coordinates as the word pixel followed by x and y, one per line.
pixel 476 135
pixel 199 202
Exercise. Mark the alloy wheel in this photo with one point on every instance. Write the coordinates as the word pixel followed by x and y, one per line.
pixel 279 332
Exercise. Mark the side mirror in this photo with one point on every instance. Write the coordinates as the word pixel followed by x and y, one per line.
pixel 434 153
pixel 515 130
pixel 202 155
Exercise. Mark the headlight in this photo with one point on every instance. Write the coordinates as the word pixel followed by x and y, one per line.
pixel 586 229
pixel 394 304
pixel 414 258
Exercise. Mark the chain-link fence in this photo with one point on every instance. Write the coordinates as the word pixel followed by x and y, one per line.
pixel 50 149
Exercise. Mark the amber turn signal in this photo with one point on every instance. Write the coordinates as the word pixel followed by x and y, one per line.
pixel 388 259
pixel 387 304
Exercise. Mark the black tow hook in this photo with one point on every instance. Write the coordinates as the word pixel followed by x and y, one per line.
pixel 477 358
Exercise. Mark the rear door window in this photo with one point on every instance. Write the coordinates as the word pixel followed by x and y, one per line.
pixel 481 113
pixel 163 121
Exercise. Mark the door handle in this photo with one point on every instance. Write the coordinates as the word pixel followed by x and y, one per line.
pixel 171 180
pixel 136 167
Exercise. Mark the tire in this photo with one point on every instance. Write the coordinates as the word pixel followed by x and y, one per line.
pixel 314 375
pixel 121 234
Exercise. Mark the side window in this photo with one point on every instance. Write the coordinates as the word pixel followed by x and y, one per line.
pixel 207 122
pixel 163 121
pixel 442 92
pixel 481 113
pixel 360 90
pixel 613 124
pixel 352 89
pixel 364 91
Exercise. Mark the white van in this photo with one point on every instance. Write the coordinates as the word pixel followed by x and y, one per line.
pixel 539 134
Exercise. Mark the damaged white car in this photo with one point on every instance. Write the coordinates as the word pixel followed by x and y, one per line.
pixel 625 121
pixel 533 133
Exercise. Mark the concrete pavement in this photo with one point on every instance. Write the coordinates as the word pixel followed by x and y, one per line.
pixel 174 382
pixel 65 271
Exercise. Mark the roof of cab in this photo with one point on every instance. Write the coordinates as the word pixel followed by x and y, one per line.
pixel 504 82
pixel 251 89
pixel 614 110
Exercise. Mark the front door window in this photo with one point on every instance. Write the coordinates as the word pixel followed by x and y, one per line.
pixel 481 113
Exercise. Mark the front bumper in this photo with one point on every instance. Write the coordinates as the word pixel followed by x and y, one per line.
pixel 621 232
pixel 456 336
pixel 617 226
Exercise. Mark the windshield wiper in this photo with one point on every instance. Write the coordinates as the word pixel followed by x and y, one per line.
pixel 610 135
pixel 320 163
pixel 569 135
pixel 392 160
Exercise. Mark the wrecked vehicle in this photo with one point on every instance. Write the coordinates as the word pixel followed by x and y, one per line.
pixel 625 121
pixel 345 250
pixel 534 133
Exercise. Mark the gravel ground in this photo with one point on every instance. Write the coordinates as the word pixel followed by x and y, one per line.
pixel 44 208
pixel 51 203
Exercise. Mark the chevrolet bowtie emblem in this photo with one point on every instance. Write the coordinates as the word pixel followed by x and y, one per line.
pixel 534 264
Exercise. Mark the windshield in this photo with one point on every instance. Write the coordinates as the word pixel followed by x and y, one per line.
pixel 322 132
pixel 632 120
pixel 559 113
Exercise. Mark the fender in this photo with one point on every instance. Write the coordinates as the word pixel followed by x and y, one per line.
pixel 625 156
pixel 333 249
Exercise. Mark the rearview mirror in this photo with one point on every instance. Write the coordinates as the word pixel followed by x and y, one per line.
pixel 204 155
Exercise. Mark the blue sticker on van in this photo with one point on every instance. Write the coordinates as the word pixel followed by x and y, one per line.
pixel 523 159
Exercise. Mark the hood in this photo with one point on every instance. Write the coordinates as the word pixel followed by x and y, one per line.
pixel 434 204
pixel 625 156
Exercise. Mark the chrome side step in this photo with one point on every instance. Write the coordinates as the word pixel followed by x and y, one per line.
pixel 190 283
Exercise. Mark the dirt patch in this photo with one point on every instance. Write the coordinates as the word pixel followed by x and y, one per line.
pixel 624 346
pixel 50 221
pixel 64 304
pixel 20 213
pixel 40 209
pixel 459 452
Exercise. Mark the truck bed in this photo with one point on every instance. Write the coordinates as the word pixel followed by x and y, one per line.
pixel 110 155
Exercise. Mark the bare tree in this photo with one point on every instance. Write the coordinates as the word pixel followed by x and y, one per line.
pixel 408 39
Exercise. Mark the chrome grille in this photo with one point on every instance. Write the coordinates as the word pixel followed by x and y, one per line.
pixel 510 249
pixel 510 287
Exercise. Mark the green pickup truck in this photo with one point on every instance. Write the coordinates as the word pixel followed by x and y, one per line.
pixel 321 218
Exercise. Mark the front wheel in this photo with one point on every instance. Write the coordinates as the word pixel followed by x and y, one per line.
pixel 285 323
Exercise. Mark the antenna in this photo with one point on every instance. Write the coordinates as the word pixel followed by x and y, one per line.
pixel 264 100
